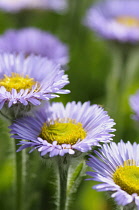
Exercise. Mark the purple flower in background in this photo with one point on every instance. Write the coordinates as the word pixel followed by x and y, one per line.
pixel 115 20
pixel 17 5
pixel 58 130
pixel 57 5
pixel 29 80
pixel 13 6
pixel 34 41
pixel 134 103
pixel 117 167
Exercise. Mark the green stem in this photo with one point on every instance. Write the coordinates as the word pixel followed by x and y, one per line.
pixel 131 67
pixel 128 76
pixel 20 169
pixel 19 158
pixel 63 190
pixel 20 19
pixel 71 173
pixel 19 179
pixel 113 82
pixel 63 166
pixel 119 82
pixel 19 162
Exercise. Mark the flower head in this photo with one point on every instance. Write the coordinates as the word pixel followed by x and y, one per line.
pixel 115 20
pixel 17 5
pixel 34 41
pixel 29 80
pixel 134 103
pixel 12 6
pixel 57 5
pixel 117 167
pixel 58 130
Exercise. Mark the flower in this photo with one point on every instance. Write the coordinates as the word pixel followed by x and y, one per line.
pixel 117 167
pixel 12 6
pixel 17 5
pixel 29 80
pixel 134 103
pixel 34 41
pixel 115 20
pixel 58 5
pixel 58 130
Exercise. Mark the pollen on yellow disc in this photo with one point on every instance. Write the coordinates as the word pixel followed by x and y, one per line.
pixel 128 21
pixel 127 177
pixel 63 132
pixel 18 82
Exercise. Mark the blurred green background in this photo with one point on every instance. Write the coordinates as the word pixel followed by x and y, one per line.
pixel 89 66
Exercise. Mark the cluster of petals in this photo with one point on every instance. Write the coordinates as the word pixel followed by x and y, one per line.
pixel 49 75
pixel 95 121
pixel 34 41
pixel 102 18
pixel 107 159
pixel 17 5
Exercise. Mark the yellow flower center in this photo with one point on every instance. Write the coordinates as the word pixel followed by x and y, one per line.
pixel 68 132
pixel 127 177
pixel 17 82
pixel 128 21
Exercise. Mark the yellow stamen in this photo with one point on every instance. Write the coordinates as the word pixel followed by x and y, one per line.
pixel 63 131
pixel 127 177
pixel 128 21
pixel 17 82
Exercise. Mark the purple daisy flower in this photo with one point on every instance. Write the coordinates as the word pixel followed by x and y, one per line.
pixel 58 130
pixel 134 103
pixel 29 80
pixel 17 5
pixel 117 167
pixel 34 41
pixel 115 20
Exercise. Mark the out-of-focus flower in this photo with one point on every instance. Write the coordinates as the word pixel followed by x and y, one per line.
pixel 58 5
pixel 17 5
pixel 29 80
pixel 58 130
pixel 34 41
pixel 12 6
pixel 115 20
pixel 134 103
pixel 117 167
